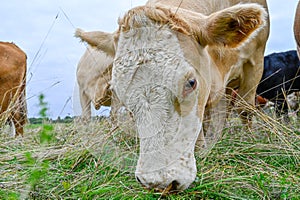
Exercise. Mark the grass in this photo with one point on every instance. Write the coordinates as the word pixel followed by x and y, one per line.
pixel 95 161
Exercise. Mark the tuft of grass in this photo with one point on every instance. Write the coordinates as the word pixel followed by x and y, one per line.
pixel 97 161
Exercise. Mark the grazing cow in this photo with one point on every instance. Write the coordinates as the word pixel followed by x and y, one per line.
pixel 281 77
pixel 173 61
pixel 93 77
pixel 12 86
pixel 297 28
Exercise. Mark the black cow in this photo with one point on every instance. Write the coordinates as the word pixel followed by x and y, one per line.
pixel 281 77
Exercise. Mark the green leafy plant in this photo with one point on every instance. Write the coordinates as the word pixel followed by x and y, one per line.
pixel 46 134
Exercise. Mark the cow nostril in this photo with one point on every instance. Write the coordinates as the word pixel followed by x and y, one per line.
pixel 172 188
pixel 137 178
pixel 174 185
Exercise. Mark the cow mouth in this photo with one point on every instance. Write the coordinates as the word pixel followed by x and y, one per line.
pixel 172 188
pixel 100 102
pixel 97 105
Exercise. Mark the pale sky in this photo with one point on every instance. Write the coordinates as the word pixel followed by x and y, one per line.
pixel 44 30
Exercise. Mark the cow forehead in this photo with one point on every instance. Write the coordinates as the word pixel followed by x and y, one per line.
pixel 149 55
pixel 149 37
pixel 144 16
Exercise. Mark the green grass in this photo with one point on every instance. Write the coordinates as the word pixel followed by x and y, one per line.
pixel 94 161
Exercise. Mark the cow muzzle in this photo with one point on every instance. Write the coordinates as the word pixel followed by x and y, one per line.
pixel 172 179
pixel 171 188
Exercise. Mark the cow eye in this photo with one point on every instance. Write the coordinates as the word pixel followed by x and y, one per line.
pixel 190 86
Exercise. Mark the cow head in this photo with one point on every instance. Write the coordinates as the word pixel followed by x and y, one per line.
pixel 102 96
pixel 162 73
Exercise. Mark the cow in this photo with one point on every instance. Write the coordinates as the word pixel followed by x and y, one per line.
pixel 173 61
pixel 13 64
pixel 281 77
pixel 297 28
pixel 93 77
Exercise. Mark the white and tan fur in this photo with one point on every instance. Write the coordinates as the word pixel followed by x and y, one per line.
pixel 173 61
pixel 93 77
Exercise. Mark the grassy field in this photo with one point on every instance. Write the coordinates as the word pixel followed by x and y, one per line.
pixel 95 161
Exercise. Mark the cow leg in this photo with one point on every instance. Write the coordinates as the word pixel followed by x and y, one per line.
pixel 114 107
pixel 11 125
pixel 85 103
pixel 201 142
pixel 281 109
pixel 19 119
pixel 247 89
pixel 212 126
pixel 19 115
pixel 230 100
pixel 19 124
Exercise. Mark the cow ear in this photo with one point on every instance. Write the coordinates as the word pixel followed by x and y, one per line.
pixel 234 25
pixel 100 40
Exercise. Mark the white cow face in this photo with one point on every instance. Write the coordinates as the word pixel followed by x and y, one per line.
pixel 165 79
pixel 153 79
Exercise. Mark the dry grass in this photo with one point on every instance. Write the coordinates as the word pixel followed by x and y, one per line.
pixel 96 161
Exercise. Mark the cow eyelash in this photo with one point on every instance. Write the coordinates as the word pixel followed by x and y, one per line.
pixel 189 86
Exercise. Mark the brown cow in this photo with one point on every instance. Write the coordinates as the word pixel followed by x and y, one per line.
pixel 297 28
pixel 12 86
pixel 173 61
